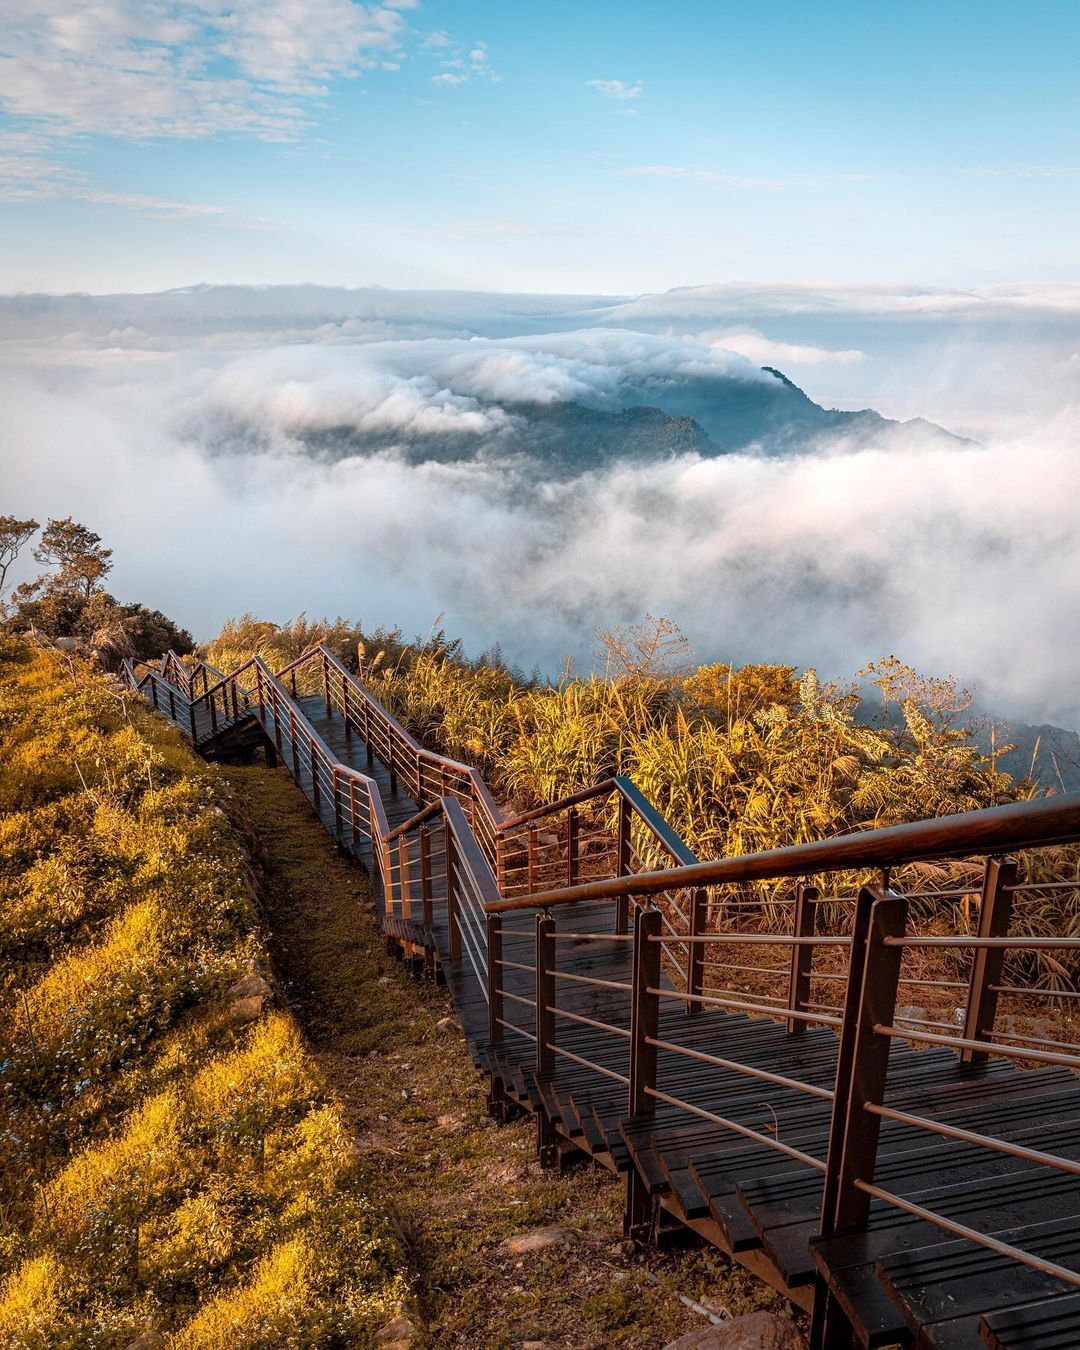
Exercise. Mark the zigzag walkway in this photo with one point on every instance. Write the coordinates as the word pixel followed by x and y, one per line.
pixel 909 1181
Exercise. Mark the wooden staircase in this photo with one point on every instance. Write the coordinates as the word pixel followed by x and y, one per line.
pixel 906 1180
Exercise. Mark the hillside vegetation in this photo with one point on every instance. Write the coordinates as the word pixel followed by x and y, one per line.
pixel 171 1161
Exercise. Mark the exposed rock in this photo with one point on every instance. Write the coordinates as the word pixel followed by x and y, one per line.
pixel 398 1332
pixel 246 1009
pixel 757 1331
pixel 151 1339
pixel 447 1024
pixel 537 1240
pixel 251 985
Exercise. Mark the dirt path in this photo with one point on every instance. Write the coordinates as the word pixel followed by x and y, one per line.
pixel 456 1183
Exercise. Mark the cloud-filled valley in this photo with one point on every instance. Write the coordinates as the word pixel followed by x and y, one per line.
pixel 382 454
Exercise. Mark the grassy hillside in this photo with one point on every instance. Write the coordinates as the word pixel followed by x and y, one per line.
pixel 170 1157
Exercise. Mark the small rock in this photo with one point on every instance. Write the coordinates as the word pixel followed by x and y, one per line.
pixel 757 1331
pixel 398 1332
pixel 246 1009
pixel 151 1339
pixel 251 985
pixel 447 1024
pixel 536 1241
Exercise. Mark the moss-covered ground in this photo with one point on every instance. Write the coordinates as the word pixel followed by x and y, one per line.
pixel 454 1183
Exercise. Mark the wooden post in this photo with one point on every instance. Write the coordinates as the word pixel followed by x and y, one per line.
pixel 545 993
pixel 695 951
pixel 275 709
pixel 367 732
pixel 863 1058
pixel 573 828
pixel 802 957
pixel 391 766
pixel 326 685
pixel 345 707
pixel 426 895
pixel 644 1012
pixel 532 859
pixel 172 704
pixel 547 1139
pixel 355 815
pixel 622 905
pixel 213 711
pixel 191 717
pixel 495 997
pixel 337 800
pixel 403 876
pixel 316 791
pixel 995 914
pixel 292 739
pixel 451 898
pixel 153 691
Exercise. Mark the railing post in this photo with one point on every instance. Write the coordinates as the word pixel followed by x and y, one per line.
pixel 275 709
pixel 644 1011
pixel 212 700
pixel 451 899
pixel 640 1215
pixel 496 1095
pixel 622 905
pixel 802 956
pixel 861 1072
pixel 500 863
pixel 426 896
pixel 863 1057
pixel 403 876
pixel 345 706
pixel 367 732
pixel 292 675
pixel 695 951
pixel 326 684
pixel 531 846
pixel 292 740
pixel 547 1144
pixel 354 815
pixel 191 719
pixel 390 755
pixel 995 915
pixel 573 830
pixel 316 791
pixel 153 691
pixel 172 704
pixel 337 799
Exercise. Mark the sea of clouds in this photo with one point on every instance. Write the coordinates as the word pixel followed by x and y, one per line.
pixel 184 428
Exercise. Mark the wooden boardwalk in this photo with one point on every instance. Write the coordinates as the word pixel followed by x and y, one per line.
pixel 910 1181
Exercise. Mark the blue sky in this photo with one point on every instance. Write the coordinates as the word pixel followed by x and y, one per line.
pixel 574 145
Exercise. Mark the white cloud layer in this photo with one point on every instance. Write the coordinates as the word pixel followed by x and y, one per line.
pixel 175 425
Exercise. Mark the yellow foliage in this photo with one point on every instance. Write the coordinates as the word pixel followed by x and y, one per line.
pixel 31 1301
pixel 269 1310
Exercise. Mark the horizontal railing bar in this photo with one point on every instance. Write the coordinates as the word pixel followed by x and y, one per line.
pixel 972 1137
pixel 778 1079
pixel 517 998
pixel 592 980
pixel 765 940
pixel 510 1026
pixel 962 1043
pixel 972 1235
pixel 515 965
pixel 588 1021
pixel 593 937
pixel 714 1001
pixel 588 1063
pixel 1033 1040
pixel 998 829
pixel 1031 944
pixel 1031 991
pixel 744 1130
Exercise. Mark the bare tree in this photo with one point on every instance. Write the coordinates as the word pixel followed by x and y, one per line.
pixel 652 649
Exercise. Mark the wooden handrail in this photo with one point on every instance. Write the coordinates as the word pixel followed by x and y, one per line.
pixel 997 829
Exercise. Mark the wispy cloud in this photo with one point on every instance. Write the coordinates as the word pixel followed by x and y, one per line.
pixel 675 171
pixel 461 63
pixel 617 89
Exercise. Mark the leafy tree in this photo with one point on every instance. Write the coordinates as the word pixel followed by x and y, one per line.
pixel 14 533
pixel 78 554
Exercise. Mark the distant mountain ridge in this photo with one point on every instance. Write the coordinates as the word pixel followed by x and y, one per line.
pixel 729 416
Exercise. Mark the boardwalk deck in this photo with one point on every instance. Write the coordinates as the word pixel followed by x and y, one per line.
pixel 734 1132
